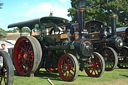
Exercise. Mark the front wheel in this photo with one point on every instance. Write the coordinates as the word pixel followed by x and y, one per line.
pixel 68 67
pixel 110 58
pixel 97 65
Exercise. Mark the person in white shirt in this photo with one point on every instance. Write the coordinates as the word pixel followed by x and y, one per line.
pixel 4 48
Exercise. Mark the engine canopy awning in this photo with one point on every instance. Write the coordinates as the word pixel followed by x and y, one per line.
pixel 48 21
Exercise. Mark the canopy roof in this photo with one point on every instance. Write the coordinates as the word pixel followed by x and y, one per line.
pixel 121 29
pixel 48 21
pixel 93 21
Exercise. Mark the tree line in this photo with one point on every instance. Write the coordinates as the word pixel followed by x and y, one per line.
pixel 95 10
pixel 101 10
pixel 3 33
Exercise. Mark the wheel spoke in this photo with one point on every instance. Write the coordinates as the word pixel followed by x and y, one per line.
pixel 27 47
pixel 69 70
pixel 22 48
pixel 92 70
pixel 64 71
pixel 23 43
pixel 96 69
pixel 29 50
pixel 73 70
pixel 70 74
pixel 21 65
pixel 67 61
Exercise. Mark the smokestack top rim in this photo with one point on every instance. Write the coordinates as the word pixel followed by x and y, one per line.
pixel 113 15
pixel 80 9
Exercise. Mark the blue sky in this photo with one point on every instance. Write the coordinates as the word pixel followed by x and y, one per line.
pixel 20 10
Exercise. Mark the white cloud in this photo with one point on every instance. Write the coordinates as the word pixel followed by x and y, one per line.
pixel 43 9
pixel 63 0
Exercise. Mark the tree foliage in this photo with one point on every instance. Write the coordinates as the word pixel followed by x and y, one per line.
pixel 25 29
pixel 1 5
pixel 101 10
pixel 2 33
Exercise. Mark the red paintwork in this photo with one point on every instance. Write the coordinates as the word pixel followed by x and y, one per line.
pixel 95 69
pixel 66 68
pixel 51 69
pixel 23 56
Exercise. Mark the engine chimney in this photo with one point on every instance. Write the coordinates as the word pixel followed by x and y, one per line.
pixel 81 19
pixel 113 25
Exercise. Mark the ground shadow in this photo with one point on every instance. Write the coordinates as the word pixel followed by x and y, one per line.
pixel 50 75
pixel 44 75
pixel 124 75
pixel 83 75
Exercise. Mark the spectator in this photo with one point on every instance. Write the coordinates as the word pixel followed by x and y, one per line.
pixel 4 47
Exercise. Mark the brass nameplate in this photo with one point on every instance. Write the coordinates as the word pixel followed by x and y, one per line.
pixel 94 32
pixel 63 36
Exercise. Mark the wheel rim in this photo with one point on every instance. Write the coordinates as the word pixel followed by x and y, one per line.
pixel 96 69
pixel 23 56
pixel 66 68
pixel 110 58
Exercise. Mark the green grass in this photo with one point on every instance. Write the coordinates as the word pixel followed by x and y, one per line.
pixel 115 77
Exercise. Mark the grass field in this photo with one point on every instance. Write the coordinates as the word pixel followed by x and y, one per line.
pixel 115 77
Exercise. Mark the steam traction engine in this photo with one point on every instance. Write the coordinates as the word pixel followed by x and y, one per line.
pixel 123 59
pixel 106 41
pixel 56 48
pixel 123 32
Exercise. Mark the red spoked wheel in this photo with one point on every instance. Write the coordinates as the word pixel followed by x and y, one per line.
pixel 68 67
pixel 26 56
pixel 98 66
pixel 51 69
pixel 123 61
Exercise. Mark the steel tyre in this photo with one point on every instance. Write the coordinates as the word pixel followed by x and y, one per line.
pixel 38 52
pixel 26 59
pixel 98 66
pixel 7 70
pixel 110 58
pixel 68 67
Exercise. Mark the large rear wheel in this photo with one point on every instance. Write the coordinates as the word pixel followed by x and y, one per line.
pixel 68 67
pixel 110 58
pixel 39 52
pixel 26 56
pixel 6 69
pixel 97 66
